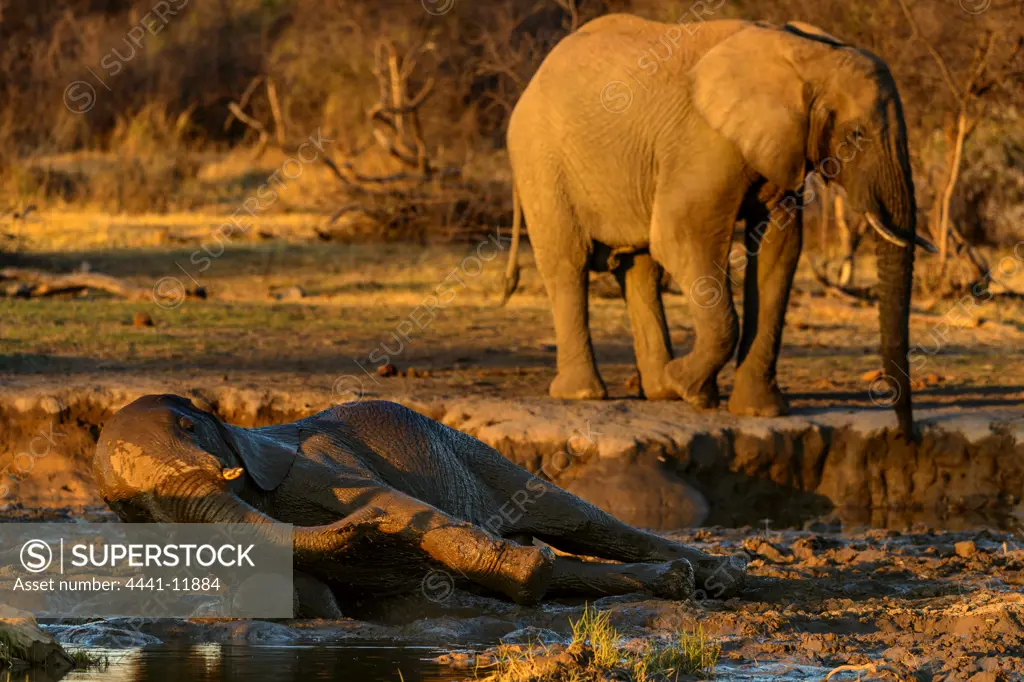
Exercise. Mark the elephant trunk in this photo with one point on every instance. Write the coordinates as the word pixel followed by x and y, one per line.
pixel 895 278
pixel 193 497
pixel 895 265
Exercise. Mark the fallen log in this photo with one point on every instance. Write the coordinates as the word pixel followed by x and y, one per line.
pixel 49 284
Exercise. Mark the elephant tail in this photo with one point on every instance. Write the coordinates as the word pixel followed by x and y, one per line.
pixel 512 271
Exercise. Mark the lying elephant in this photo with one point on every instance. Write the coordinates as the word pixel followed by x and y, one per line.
pixel 380 497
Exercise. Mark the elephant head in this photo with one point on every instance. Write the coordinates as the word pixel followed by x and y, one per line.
pixel 794 100
pixel 161 459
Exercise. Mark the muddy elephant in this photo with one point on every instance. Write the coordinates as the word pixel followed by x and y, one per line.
pixel 381 496
pixel 638 145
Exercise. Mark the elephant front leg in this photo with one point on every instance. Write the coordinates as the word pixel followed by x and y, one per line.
pixel 640 278
pixel 773 240
pixel 522 573
pixel 313 598
pixel 565 278
pixel 697 256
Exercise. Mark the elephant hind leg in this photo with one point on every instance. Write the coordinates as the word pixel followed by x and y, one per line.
pixel 572 525
pixel 563 256
pixel 773 239
pixel 640 278
pixel 574 577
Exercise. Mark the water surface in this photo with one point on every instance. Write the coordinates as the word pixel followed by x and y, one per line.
pixel 359 662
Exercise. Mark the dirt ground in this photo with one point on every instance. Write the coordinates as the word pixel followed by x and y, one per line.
pixel 287 309
pixel 917 605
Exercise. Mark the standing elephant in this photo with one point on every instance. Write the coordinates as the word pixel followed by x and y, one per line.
pixel 382 496
pixel 638 145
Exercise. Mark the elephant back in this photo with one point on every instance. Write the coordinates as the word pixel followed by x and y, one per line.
pixel 414 454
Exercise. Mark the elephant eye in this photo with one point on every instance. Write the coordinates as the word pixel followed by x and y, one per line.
pixel 186 424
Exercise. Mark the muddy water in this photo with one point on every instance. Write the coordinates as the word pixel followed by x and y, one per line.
pixel 225 663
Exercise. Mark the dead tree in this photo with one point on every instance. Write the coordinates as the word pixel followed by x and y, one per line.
pixel 827 208
pixel 571 8
pixel 395 116
pixel 507 56
pixel 968 95
pixel 422 189
pixel 35 283
pixel 238 107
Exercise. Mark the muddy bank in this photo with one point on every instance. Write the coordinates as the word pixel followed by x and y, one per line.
pixel 24 645
pixel 930 606
pixel 657 465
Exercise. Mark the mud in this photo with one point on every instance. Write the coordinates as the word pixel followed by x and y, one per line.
pixel 658 465
pixel 926 605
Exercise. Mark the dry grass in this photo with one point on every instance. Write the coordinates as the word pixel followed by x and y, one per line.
pixel 150 141
pixel 356 296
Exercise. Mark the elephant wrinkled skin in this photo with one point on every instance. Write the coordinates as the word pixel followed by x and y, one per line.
pixel 637 146
pixel 381 497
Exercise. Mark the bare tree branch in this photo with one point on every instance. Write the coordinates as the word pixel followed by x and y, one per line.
pixel 943 68
pixel 248 120
pixel 275 110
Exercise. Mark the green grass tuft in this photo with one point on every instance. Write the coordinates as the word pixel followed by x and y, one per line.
pixel 692 654
pixel 594 629
pixel 6 657
pixel 85 659
pixel 596 650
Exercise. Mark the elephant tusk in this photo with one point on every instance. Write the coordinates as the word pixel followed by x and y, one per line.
pixel 886 234
pixel 232 474
pixel 891 236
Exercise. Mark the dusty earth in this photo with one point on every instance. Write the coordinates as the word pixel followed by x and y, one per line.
pixel 284 309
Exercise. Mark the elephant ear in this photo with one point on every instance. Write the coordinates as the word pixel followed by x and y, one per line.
pixel 266 459
pixel 811 31
pixel 748 89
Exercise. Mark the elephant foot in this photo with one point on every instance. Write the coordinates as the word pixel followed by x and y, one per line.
pixel 757 398
pixel 716 576
pixel 657 390
pixel 719 577
pixel 676 582
pixel 700 392
pixel 527 572
pixel 578 385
